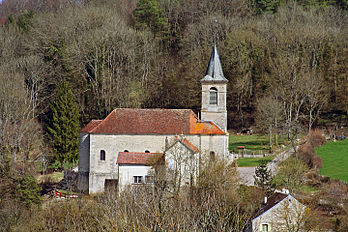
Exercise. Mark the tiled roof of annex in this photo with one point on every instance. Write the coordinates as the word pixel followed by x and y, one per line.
pixel 185 142
pixel 190 145
pixel 152 121
pixel 137 158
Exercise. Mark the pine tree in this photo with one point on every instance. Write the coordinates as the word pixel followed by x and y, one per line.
pixel 263 178
pixel 148 13
pixel 63 124
pixel 28 191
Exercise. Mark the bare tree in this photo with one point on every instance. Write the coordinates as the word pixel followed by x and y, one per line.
pixel 315 96
pixel 269 116
pixel 291 174
pixel 292 216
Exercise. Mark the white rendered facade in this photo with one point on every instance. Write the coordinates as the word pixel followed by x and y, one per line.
pixel 98 170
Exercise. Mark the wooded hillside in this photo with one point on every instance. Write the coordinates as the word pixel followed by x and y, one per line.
pixel 286 62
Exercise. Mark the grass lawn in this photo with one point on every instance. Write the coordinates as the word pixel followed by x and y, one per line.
pixel 54 177
pixel 252 142
pixel 335 159
pixel 253 162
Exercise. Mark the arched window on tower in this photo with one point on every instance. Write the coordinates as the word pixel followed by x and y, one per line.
pixel 213 96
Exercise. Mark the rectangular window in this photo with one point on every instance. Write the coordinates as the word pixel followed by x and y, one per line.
pixel 102 155
pixel 213 98
pixel 137 179
pixel 149 179
pixel 265 228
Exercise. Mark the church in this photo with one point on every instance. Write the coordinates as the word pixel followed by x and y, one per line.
pixel 115 151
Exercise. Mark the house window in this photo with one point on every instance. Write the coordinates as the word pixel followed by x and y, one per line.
pixel 147 151
pixel 212 156
pixel 213 97
pixel 102 155
pixel 265 228
pixel 149 179
pixel 137 179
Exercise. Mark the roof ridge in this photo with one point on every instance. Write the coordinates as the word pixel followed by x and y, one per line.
pixel 109 115
pixel 140 153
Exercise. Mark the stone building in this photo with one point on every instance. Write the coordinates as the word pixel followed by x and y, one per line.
pixel 280 212
pixel 145 131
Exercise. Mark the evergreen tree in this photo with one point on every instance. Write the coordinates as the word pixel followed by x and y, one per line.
pixel 63 124
pixel 29 191
pixel 147 13
pixel 262 6
pixel 263 178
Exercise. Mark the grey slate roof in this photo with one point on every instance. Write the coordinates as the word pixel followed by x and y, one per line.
pixel 214 71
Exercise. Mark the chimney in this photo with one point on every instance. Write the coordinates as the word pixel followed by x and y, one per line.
pixel 265 200
pixel 285 191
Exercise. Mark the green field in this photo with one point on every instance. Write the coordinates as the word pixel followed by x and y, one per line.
pixel 335 159
pixel 253 162
pixel 252 142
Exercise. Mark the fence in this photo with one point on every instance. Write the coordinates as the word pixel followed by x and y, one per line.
pixel 244 153
pixel 62 195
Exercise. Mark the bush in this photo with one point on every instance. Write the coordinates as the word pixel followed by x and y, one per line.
pixel 56 165
pixel 74 215
pixel 317 162
pixel 316 138
pixel 307 153
pixel 307 149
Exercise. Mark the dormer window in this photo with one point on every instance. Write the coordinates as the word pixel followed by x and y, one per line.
pixel 102 155
pixel 213 96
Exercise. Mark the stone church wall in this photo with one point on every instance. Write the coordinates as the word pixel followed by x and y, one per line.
pixel 83 177
pixel 113 144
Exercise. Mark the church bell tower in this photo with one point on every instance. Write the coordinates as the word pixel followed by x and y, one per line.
pixel 214 88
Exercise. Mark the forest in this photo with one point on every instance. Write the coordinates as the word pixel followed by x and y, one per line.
pixel 65 62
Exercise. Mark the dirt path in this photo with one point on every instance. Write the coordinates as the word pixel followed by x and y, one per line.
pixel 246 174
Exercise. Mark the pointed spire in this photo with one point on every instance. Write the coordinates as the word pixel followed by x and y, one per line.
pixel 214 71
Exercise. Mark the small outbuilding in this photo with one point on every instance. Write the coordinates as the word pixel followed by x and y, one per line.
pixel 136 168
pixel 280 212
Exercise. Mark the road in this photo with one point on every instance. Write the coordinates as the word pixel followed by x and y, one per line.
pixel 246 173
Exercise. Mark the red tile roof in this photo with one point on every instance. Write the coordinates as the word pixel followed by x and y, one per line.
pixel 152 121
pixel 208 128
pixel 90 126
pixel 136 158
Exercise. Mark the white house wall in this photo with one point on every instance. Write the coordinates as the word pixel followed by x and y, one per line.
pixel 182 161
pixel 126 173
pixel 99 170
